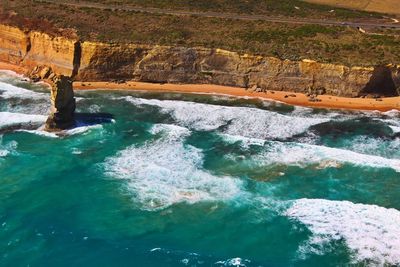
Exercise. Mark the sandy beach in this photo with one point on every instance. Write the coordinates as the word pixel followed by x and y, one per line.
pixel 298 99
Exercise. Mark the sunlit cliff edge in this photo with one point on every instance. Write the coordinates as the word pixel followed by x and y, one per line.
pixel 95 61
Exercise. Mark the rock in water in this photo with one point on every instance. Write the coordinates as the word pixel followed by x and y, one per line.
pixel 62 105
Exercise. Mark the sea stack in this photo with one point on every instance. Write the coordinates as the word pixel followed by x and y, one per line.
pixel 62 105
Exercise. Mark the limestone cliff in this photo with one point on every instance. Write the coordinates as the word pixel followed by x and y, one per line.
pixel 102 61
pixel 215 66
pixel 62 105
pixel 55 52
pixel 31 48
pixel 14 44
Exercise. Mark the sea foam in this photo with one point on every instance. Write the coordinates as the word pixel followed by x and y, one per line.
pixel 8 119
pixel 299 154
pixel 165 171
pixel 293 153
pixel 370 232
pixel 69 132
pixel 8 91
pixel 243 121
pixel 7 148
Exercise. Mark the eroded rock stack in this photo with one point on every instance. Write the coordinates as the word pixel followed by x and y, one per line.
pixel 62 105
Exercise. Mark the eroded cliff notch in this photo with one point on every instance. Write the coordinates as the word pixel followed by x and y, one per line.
pixel 384 81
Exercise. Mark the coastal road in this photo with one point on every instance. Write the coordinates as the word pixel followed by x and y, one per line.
pixel 362 24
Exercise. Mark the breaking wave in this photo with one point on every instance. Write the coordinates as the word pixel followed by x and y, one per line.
pixel 8 91
pixel 369 231
pixel 7 148
pixel 291 153
pixel 165 171
pixel 74 131
pixel 296 153
pixel 9 119
pixel 243 121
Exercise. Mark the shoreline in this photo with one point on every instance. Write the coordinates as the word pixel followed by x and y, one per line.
pixel 290 98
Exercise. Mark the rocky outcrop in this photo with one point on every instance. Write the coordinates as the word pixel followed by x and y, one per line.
pixel 88 61
pixel 62 105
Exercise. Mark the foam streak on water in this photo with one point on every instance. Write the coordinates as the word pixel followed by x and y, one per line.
pixel 244 121
pixel 7 148
pixel 8 91
pixel 371 232
pixel 8 119
pixel 165 171
pixel 301 154
pixel 291 153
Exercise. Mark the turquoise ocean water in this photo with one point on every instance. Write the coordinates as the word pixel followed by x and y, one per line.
pixel 194 180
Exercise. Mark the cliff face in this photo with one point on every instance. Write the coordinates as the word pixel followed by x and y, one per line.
pixel 99 61
pixel 34 48
pixel 215 66
pixel 14 44
pixel 55 52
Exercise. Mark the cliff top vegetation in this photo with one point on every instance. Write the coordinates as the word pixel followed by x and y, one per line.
pixel 289 8
pixel 331 44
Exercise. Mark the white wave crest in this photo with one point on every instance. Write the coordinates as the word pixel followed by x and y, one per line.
pixel 7 148
pixel 243 121
pixel 374 146
pixel 8 91
pixel 371 232
pixel 82 129
pixel 8 119
pixel 291 153
pixel 234 262
pixel 40 133
pixel 395 129
pixel 165 171
pixel 74 131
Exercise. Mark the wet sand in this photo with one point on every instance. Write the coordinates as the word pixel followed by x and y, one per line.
pixel 298 99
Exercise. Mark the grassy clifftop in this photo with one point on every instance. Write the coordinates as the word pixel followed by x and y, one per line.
pixel 292 8
pixel 341 45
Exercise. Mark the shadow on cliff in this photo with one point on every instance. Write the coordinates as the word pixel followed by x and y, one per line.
pixel 381 83
pixel 90 119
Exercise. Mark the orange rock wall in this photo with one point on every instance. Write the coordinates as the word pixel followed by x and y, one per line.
pixel 94 61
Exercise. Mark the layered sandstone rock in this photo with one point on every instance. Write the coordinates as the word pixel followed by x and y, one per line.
pixel 87 61
pixel 62 105
pixel 214 66
pixel 100 61
pixel 14 44
pixel 55 52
